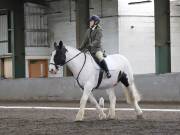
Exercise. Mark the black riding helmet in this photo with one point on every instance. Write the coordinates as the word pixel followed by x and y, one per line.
pixel 95 18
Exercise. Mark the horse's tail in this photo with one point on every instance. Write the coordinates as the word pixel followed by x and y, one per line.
pixel 131 92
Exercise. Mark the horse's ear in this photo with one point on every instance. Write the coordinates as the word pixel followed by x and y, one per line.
pixel 55 45
pixel 60 44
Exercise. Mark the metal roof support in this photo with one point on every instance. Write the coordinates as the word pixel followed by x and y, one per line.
pixel 82 16
pixel 162 36
pixel 16 35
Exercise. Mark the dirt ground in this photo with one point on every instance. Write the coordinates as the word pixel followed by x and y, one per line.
pixel 61 122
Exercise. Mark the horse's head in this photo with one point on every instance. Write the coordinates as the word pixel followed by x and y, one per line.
pixel 58 57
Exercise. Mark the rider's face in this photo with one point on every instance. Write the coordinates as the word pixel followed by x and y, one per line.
pixel 91 23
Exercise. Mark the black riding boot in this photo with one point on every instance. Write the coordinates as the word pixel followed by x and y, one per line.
pixel 104 66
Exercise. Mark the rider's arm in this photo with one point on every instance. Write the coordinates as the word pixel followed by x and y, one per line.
pixel 97 40
pixel 84 42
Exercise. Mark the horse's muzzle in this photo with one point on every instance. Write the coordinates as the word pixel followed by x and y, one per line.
pixel 52 71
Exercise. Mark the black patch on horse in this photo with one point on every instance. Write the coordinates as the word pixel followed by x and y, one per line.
pixel 60 56
pixel 123 78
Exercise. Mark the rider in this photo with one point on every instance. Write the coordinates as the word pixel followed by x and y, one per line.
pixel 92 42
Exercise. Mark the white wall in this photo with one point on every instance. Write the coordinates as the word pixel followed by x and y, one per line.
pixel 136 35
pixel 110 35
pixel 138 44
pixel 37 51
pixel 175 36
pixel 8 72
pixel 143 9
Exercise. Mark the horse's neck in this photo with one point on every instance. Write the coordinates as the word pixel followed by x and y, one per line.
pixel 75 64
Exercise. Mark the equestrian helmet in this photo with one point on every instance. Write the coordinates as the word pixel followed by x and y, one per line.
pixel 95 18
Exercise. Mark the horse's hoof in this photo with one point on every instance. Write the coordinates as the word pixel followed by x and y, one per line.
pixel 79 116
pixel 109 117
pixel 102 117
pixel 78 121
pixel 140 117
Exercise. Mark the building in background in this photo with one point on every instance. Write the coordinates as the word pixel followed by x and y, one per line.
pixel 5 48
pixel 128 29
pixel 36 40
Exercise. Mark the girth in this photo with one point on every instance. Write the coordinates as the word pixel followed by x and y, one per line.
pixel 99 80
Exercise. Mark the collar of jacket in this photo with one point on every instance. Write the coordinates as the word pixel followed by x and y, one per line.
pixel 95 27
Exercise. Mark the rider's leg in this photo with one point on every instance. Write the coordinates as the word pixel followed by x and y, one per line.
pixel 103 64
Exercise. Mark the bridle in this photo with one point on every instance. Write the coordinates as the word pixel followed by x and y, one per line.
pixel 77 78
pixel 66 61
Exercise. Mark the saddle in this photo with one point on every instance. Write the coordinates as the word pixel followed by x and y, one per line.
pixel 101 71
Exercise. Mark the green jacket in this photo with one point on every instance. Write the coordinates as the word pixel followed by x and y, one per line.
pixel 92 40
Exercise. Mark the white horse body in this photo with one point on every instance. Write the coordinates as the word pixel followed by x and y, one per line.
pixel 115 62
pixel 88 78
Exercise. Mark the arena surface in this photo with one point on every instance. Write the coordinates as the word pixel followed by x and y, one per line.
pixel 53 118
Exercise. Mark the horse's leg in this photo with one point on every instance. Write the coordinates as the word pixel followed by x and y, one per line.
pixel 92 99
pixel 133 98
pixel 112 99
pixel 87 90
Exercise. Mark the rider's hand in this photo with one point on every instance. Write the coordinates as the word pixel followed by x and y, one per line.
pixel 83 49
pixel 80 49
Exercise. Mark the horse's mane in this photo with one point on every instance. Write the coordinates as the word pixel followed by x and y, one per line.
pixel 76 51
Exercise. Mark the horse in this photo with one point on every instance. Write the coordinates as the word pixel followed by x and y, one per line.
pixel 87 73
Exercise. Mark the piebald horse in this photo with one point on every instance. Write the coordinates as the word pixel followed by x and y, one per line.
pixel 87 72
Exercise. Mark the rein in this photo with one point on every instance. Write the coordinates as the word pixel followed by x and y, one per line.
pixel 68 60
pixel 80 72
pixel 80 69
